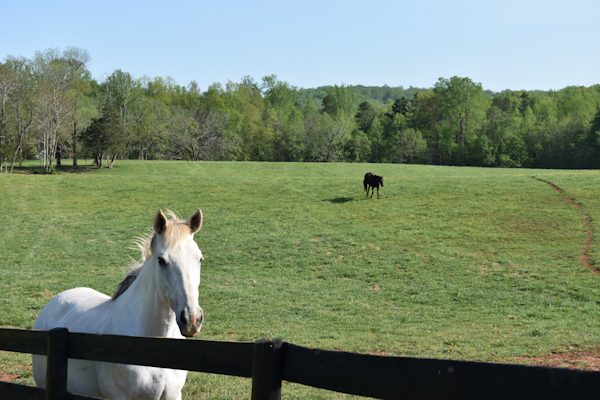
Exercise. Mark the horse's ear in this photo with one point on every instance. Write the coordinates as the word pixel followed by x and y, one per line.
pixel 195 221
pixel 160 222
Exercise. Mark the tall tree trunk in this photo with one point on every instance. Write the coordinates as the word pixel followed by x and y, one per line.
pixel 12 164
pixel 74 138
pixel 462 139
pixel 58 156
pixel 21 135
pixel 110 165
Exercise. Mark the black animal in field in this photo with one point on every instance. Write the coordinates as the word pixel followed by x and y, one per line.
pixel 372 181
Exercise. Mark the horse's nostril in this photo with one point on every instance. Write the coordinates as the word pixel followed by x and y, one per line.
pixel 183 318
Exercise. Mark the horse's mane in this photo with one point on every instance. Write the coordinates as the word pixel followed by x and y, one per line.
pixel 175 231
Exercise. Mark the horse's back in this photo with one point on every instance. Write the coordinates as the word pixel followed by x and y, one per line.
pixel 372 180
pixel 67 310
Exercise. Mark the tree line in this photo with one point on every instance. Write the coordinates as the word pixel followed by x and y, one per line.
pixel 52 108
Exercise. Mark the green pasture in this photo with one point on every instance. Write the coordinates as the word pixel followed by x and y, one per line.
pixel 461 263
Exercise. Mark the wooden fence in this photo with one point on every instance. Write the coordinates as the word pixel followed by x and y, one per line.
pixel 269 361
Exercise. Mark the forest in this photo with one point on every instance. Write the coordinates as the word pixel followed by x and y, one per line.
pixel 52 108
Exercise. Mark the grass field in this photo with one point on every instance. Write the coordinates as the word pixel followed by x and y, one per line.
pixel 462 263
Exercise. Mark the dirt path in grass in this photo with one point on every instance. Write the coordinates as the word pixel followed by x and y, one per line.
pixel 570 358
pixel 11 377
pixel 586 360
pixel 587 220
pixel 4 377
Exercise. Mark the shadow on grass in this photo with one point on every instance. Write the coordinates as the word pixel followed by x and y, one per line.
pixel 339 200
pixel 57 170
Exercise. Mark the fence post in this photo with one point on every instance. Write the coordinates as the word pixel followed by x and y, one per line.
pixel 266 369
pixel 56 364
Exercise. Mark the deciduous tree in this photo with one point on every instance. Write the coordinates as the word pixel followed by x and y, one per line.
pixel 463 108
pixel 339 101
pixel 195 132
pixel 105 136
pixel 56 73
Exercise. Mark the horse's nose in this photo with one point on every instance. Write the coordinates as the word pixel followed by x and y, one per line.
pixel 183 318
pixel 200 320
pixel 190 323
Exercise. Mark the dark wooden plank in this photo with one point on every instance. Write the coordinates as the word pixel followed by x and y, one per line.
pixel 226 358
pixel 411 378
pixel 56 364
pixel 12 391
pixel 23 341
pixel 266 370
pixel 72 396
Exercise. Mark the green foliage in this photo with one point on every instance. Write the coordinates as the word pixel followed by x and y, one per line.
pixel 121 90
pixel 283 119
pixel 105 135
pixel 375 135
pixel 339 101
pixel 401 106
pixel 375 94
pixel 500 144
pixel 593 140
pixel 407 143
pixel 358 147
pixel 463 109
pixel 385 94
pixel 365 115
pixel 455 123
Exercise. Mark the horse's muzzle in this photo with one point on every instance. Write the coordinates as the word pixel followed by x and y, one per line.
pixel 190 323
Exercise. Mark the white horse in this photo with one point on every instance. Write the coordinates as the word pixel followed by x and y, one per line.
pixel 159 298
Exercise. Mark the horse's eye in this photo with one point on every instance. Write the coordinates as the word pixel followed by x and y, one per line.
pixel 162 262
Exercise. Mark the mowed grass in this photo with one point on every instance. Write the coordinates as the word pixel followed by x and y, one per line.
pixel 462 263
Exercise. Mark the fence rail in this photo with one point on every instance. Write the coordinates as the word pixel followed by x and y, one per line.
pixel 269 361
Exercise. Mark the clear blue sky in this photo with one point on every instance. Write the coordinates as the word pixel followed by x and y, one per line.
pixel 508 44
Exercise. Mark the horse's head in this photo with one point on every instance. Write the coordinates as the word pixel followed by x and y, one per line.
pixel 176 258
pixel 381 180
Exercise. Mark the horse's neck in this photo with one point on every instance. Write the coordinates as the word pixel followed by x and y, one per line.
pixel 142 311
